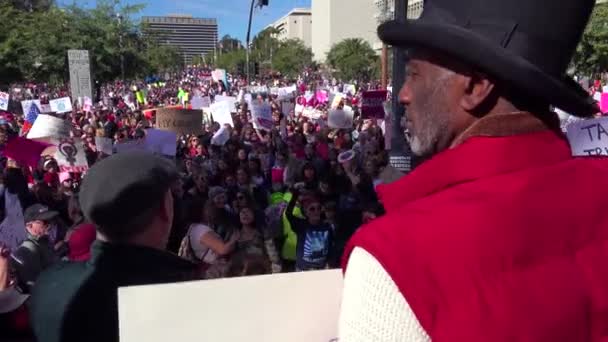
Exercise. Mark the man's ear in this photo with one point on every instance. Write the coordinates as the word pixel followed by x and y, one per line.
pixel 478 89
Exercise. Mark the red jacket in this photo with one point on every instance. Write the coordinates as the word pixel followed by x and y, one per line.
pixel 499 239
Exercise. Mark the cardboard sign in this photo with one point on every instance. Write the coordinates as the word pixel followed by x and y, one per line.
pixel 70 155
pixel 4 97
pixel 200 102
pixel 295 307
pixel 62 105
pixel 340 118
pixel 179 121
pixel 231 100
pixel 221 113
pixel 372 104
pixel 589 137
pixel 47 126
pixel 104 145
pixel 262 116
pixel 161 142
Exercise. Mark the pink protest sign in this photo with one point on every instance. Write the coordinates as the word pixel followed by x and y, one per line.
pixel 372 105
pixel 604 103
pixel 321 96
pixel 25 151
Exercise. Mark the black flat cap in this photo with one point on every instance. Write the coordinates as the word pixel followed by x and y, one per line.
pixel 124 186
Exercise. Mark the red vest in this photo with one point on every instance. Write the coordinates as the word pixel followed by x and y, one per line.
pixel 499 239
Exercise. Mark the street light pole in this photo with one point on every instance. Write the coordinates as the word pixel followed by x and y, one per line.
pixel 122 56
pixel 248 36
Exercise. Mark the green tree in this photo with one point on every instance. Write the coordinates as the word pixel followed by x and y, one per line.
pixel 233 61
pixel 591 56
pixel 264 45
pixel 228 44
pixel 292 57
pixel 353 59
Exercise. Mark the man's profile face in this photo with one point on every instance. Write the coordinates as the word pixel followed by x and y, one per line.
pixel 426 96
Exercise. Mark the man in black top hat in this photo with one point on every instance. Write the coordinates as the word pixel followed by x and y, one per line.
pixel 485 240
pixel 128 197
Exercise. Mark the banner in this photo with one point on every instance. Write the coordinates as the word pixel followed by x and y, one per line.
pixel 70 155
pixel 372 104
pixel 81 83
pixel 180 121
pixel 340 118
pixel 4 97
pixel 297 307
pixel 104 145
pixel 161 142
pixel 262 116
pixel 221 113
pixel 62 105
pixel 47 126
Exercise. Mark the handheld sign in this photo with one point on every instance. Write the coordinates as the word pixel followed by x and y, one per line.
pixel 62 105
pixel 161 142
pixel 47 126
pixel 26 104
pixel 297 307
pixel 104 145
pixel 340 118
pixel 372 104
pixel 70 155
pixel 589 137
pixel 221 113
pixel 179 121
pixel 262 116
pixel 4 100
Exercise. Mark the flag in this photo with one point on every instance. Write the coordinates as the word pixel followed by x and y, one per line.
pixel 32 114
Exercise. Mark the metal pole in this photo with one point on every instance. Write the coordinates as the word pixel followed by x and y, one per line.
pixel 122 56
pixel 384 62
pixel 400 155
pixel 248 36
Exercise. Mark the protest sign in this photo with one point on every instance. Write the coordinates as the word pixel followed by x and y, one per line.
pixel 340 118
pixel 62 105
pixel 589 137
pixel 262 116
pixel 221 113
pixel 81 83
pixel 180 121
pixel 350 89
pixel 221 136
pixel 312 113
pixel 225 310
pixel 286 93
pixel 372 104
pixel 4 97
pixel 219 75
pixel 47 126
pixel 604 103
pixel 321 96
pixel 25 105
pixel 288 108
pixel 70 155
pixel 336 99
pixel 130 145
pixel 104 145
pixel 24 151
pixel 161 142
pixel 231 100
pixel 200 102
pixel 298 109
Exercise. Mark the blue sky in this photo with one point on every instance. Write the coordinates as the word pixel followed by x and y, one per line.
pixel 232 15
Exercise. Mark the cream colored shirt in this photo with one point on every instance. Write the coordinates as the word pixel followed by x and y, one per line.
pixel 373 309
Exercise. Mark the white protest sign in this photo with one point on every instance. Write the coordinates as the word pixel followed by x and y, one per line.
pixel 4 100
pixel 62 105
pixel 340 118
pixel 47 126
pixel 161 142
pixel 200 102
pixel 25 105
pixel 296 307
pixel 70 155
pixel 262 116
pixel 104 145
pixel 221 136
pixel 350 89
pixel 231 100
pixel 589 137
pixel 221 113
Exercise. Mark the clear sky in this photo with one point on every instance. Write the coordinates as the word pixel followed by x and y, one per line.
pixel 232 15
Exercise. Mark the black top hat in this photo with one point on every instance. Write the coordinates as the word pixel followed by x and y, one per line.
pixel 525 43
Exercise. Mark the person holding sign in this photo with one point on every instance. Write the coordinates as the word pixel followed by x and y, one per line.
pixel 133 214
pixel 502 235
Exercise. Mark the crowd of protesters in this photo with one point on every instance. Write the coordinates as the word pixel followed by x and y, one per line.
pixel 265 201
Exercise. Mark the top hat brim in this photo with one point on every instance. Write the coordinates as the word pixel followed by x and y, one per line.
pixel 492 59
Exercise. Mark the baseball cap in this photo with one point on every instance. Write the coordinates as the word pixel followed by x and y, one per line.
pixel 124 186
pixel 38 212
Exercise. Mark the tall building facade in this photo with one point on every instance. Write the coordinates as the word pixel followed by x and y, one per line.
pixel 191 36
pixel 295 24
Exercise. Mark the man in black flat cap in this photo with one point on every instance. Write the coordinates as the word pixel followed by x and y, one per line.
pixel 501 235
pixel 128 197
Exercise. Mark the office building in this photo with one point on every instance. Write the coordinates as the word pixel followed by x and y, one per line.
pixel 295 24
pixel 191 36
